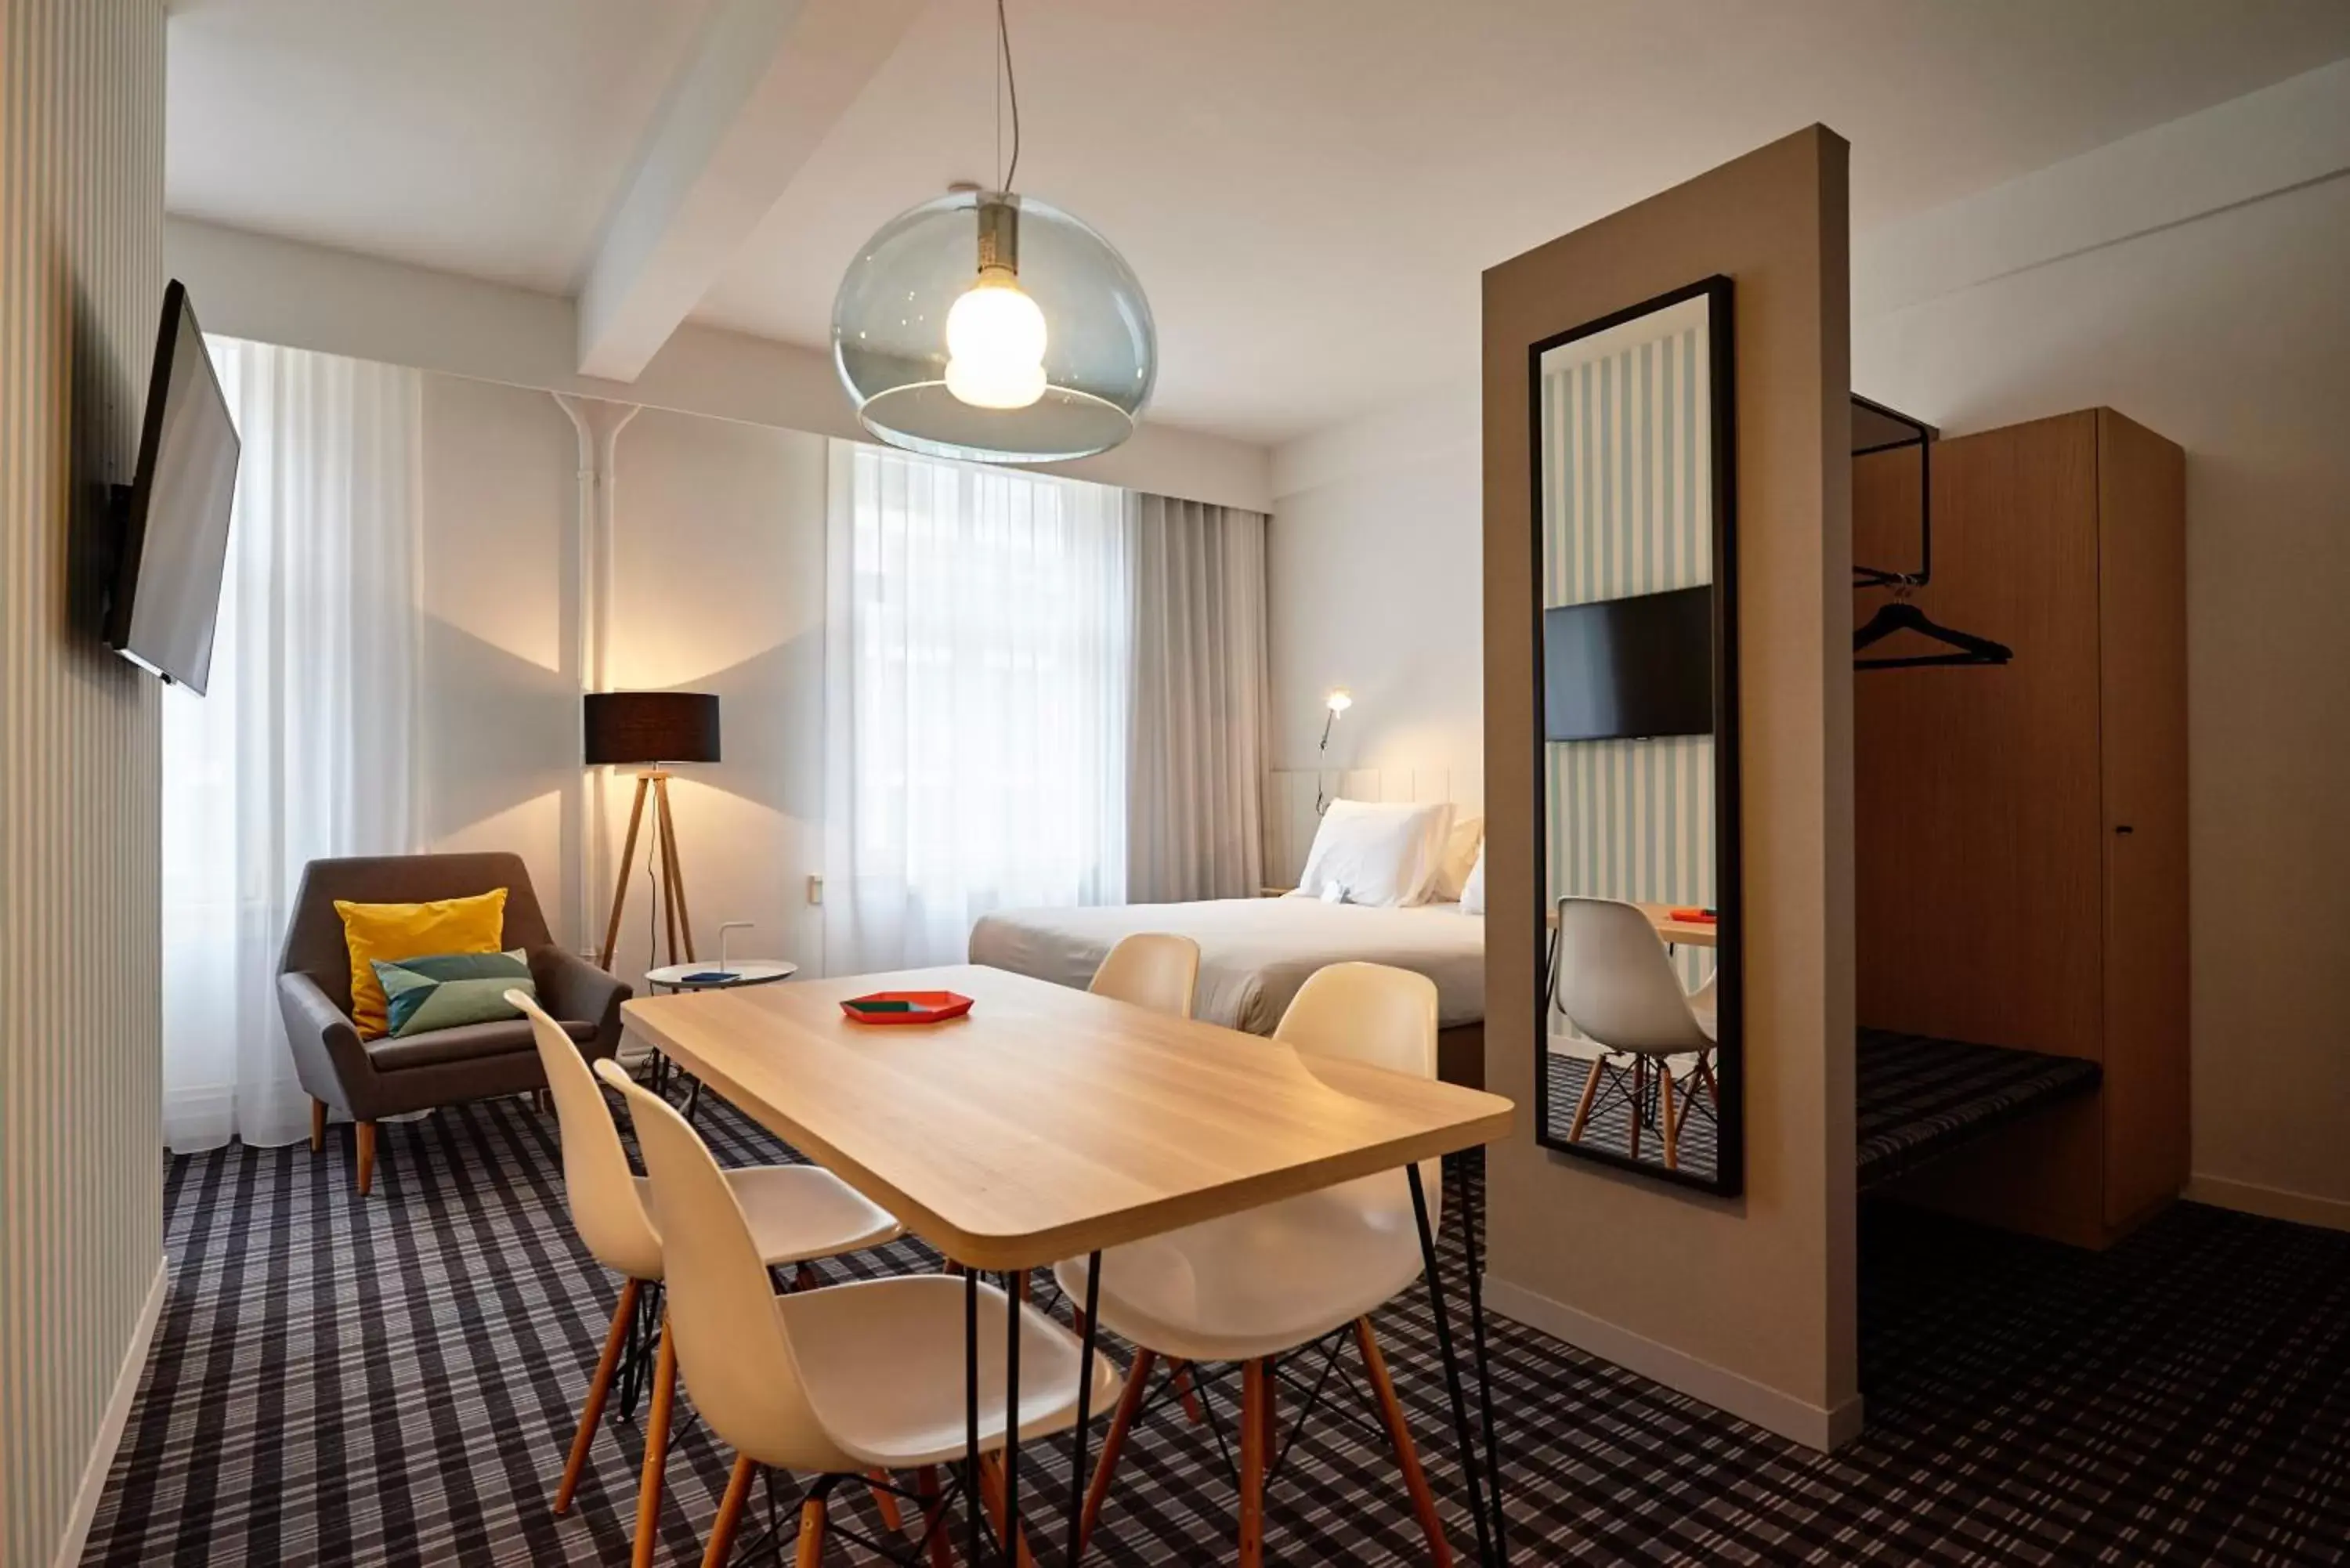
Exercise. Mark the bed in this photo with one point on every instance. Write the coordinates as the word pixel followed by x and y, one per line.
pixel 1255 952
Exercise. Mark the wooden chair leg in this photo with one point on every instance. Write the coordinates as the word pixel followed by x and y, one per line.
pixel 364 1133
pixel 991 1492
pixel 1130 1403
pixel 811 1553
pixel 884 1500
pixel 1671 1132
pixel 1705 1072
pixel 1583 1106
pixel 599 1387
pixel 1272 1416
pixel 730 1512
pixel 318 1123
pixel 1415 1479
pixel 1179 1374
pixel 934 1531
pixel 1256 1399
pixel 648 1487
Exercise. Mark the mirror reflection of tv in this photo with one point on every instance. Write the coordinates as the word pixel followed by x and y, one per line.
pixel 1629 668
pixel 172 520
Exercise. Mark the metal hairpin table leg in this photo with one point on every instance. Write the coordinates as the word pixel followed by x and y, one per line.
pixel 971 1410
pixel 1472 1198
pixel 1470 1470
pixel 1077 1477
pixel 1012 1315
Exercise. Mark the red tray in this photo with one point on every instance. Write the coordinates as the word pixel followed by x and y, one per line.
pixel 906 1007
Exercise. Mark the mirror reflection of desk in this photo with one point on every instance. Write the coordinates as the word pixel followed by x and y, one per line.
pixel 1671 932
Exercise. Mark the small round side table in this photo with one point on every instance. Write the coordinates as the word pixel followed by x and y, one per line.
pixel 707 977
pixel 720 977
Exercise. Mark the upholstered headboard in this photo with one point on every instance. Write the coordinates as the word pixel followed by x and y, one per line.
pixel 1289 794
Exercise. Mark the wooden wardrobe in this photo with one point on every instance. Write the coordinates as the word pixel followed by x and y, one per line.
pixel 2021 830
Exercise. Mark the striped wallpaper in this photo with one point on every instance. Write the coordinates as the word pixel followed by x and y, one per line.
pixel 81 285
pixel 1627 485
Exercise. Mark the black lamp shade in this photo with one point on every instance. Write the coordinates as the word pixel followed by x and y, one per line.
pixel 651 727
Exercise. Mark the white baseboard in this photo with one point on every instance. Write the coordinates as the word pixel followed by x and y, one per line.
pixel 110 1427
pixel 2270 1202
pixel 1814 1425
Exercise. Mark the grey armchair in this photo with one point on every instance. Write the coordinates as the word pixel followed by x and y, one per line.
pixel 367 1079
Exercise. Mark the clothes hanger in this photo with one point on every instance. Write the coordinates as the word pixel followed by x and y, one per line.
pixel 1900 615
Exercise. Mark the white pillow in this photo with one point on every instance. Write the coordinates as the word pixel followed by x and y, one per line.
pixel 1472 892
pixel 1376 852
pixel 1461 848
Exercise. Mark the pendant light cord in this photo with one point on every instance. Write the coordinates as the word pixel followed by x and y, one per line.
pixel 1012 89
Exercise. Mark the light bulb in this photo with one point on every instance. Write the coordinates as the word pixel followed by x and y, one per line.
pixel 1340 700
pixel 996 344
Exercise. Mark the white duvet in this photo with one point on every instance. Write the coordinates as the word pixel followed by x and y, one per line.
pixel 1254 952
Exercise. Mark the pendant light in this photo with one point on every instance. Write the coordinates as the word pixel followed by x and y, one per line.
pixel 990 325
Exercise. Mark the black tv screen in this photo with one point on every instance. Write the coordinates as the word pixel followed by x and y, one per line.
pixel 172 518
pixel 1629 668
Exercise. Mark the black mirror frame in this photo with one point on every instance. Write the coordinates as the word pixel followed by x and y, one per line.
pixel 1729 988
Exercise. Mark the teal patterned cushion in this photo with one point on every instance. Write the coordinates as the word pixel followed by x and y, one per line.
pixel 455 989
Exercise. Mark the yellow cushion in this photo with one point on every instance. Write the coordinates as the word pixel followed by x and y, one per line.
pixel 396 931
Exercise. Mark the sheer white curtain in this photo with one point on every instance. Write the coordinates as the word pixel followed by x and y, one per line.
pixel 302 747
pixel 978 693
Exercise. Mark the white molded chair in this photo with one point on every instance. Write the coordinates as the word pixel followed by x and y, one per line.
pixel 796 1214
pixel 1251 1287
pixel 839 1381
pixel 1154 970
pixel 1615 983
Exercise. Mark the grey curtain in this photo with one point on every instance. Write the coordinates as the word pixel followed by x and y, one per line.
pixel 1195 813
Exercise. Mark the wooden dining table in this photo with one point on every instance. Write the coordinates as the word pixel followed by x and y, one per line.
pixel 1050 1123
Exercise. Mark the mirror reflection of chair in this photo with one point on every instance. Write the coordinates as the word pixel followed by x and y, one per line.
pixel 795 1214
pixel 1615 983
pixel 1150 969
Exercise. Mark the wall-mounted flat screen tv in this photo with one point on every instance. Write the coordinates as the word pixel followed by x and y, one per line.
pixel 171 519
pixel 1629 668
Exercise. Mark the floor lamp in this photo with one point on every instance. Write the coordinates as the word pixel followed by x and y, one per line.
pixel 652 729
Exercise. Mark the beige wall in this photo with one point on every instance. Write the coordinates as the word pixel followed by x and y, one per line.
pixel 81 281
pixel 1747 1301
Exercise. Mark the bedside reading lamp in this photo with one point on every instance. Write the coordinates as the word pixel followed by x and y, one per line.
pixel 1338 702
pixel 651 730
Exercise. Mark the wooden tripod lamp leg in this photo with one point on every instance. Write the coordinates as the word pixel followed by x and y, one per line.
pixel 628 863
pixel 681 922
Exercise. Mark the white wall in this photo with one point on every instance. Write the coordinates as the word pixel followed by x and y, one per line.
pixel 2190 277
pixel 497 701
pixel 718 547
pixel 717 585
pixel 307 296
pixel 1373 565
pixel 2230 335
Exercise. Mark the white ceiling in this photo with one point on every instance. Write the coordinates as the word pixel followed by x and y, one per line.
pixel 1308 189
pixel 484 136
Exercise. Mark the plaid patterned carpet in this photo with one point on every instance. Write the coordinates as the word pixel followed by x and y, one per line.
pixel 338 1380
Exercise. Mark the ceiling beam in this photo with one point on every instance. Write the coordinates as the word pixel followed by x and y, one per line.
pixel 767 79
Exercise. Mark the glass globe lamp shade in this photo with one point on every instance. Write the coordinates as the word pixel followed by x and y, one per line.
pixel 959 339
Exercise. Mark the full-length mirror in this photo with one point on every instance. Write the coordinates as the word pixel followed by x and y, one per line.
pixel 1635 605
